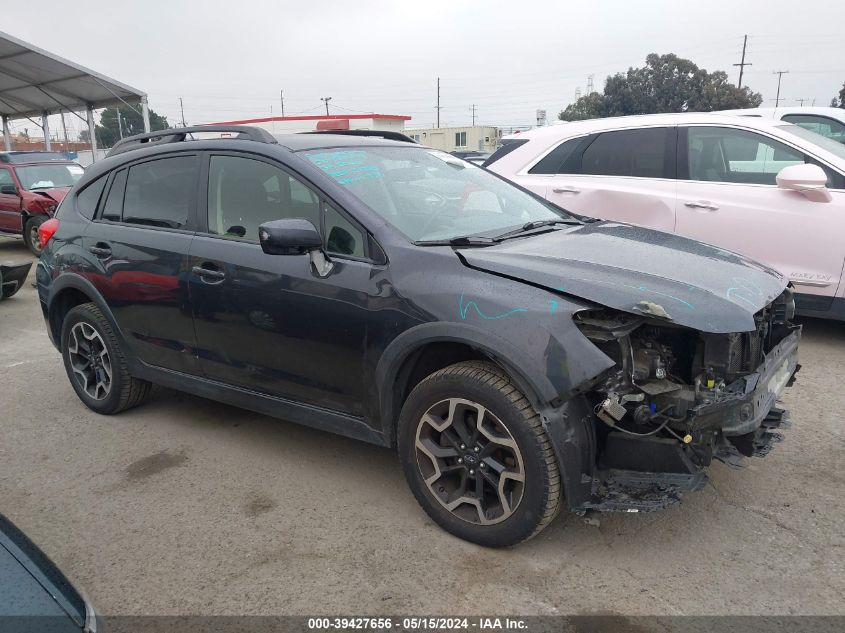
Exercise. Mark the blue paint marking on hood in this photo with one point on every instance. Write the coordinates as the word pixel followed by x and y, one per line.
pixel 641 271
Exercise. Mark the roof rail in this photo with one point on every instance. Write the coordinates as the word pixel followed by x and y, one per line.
pixel 389 135
pixel 177 135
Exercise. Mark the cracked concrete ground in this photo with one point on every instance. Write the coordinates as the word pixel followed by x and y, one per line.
pixel 186 506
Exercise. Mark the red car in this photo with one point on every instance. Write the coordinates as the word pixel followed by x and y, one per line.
pixel 32 184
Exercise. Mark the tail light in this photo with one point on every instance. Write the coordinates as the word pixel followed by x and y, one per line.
pixel 47 230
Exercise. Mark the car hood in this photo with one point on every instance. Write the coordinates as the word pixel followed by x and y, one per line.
pixel 55 193
pixel 641 271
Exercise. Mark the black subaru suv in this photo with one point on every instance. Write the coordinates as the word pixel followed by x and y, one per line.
pixel 519 358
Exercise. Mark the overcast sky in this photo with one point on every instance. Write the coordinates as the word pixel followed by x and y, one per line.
pixel 229 60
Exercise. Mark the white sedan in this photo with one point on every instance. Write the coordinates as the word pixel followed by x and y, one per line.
pixel 827 121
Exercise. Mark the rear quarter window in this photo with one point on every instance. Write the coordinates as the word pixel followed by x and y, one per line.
pixel 88 199
pixel 560 159
pixel 508 145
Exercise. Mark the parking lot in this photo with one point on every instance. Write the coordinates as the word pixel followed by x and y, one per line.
pixel 187 506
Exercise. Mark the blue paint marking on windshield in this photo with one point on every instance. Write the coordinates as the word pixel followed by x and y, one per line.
pixel 346 166
pixel 463 308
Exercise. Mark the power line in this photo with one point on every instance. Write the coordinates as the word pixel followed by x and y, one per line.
pixel 743 63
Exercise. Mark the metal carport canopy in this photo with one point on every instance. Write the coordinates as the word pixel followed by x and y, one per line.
pixel 34 82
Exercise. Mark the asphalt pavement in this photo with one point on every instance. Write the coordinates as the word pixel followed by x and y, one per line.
pixel 187 506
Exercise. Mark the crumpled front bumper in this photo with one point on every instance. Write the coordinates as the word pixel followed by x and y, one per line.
pixel 744 404
pixel 643 474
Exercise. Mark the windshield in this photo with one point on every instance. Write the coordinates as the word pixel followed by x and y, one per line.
pixel 47 176
pixel 431 195
pixel 817 139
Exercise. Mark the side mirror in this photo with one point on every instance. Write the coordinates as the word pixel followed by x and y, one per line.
pixel 809 180
pixel 291 236
pixel 295 236
pixel 10 190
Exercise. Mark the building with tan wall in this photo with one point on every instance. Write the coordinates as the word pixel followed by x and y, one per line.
pixel 479 138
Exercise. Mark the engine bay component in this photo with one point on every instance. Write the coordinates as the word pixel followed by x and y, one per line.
pixel 681 398
pixel 610 411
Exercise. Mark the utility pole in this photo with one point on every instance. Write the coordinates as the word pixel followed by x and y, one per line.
pixel 282 99
pixel 473 115
pixel 742 64
pixel 780 74
pixel 326 101
pixel 437 107
pixel 182 108
pixel 801 101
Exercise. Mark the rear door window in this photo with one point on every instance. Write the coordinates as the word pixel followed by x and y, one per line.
pixel 642 153
pixel 161 192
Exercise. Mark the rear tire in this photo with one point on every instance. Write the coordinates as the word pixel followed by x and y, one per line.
pixel 495 484
pixel 30 234
pixel 95 364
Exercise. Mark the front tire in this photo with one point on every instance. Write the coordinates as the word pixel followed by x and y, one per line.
pixel 30 234
pixel 476 456
pixel 95 364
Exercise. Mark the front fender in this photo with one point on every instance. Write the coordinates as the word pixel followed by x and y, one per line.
pixel 528 331
pixel 535 384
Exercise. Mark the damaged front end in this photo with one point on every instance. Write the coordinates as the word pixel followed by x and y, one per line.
pixel 677 398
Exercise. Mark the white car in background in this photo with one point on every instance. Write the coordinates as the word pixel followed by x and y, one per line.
pixel 829 122
pixel 765 188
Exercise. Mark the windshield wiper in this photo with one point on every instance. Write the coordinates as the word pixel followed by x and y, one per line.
pixel 463 240
pixel 536 224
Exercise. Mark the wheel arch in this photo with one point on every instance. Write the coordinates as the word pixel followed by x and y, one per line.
pixel 427 348
pixel 67 292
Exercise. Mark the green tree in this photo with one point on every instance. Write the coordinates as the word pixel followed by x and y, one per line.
pixel 842 97
pixel 592 106
pixel 131 122
pixel 667 83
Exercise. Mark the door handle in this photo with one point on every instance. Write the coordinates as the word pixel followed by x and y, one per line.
pixel 208 274
pixel 101 250
pixel 702 204
pixel 566 190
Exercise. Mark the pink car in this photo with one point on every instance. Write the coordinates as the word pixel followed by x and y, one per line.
pixel 767 189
